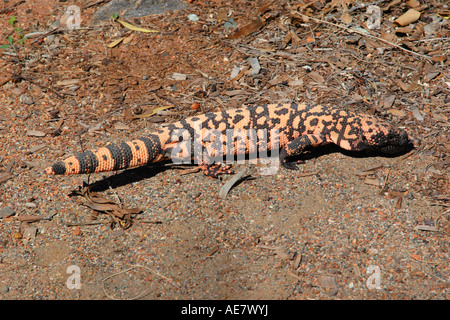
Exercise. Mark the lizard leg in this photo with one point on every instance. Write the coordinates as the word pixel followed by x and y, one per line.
pixel 212 167
pixel 296 147
pixel 215 170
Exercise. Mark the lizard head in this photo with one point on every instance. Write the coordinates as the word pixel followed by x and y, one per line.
pixel 379 136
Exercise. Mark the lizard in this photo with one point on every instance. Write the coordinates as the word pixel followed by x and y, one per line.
pixel 297 127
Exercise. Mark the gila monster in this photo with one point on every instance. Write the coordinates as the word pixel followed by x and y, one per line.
pixel 298 126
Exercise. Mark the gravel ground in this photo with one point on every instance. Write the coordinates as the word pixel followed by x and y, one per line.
pixel 345 226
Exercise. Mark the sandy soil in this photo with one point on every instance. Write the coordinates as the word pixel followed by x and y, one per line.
pixel 345 226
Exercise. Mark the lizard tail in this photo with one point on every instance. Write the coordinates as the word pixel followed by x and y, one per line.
pixel 111 157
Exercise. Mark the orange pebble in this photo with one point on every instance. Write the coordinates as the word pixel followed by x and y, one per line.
pixel 195 106
pixel 76 231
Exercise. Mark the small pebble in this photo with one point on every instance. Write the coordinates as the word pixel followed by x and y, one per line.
pixel 17 235
pixel 6 212
pixel 30 205
pixel 76 231
pixel 193 17
pixel 195 106
pixel 26 99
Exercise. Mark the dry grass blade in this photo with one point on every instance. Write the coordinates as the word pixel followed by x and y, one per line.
pixel 423 227
pixel 135 28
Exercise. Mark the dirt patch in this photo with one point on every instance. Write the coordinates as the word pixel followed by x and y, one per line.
pixel 52 254
pixel 326 231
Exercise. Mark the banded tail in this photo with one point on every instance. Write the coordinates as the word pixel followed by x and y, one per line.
pixel 112 157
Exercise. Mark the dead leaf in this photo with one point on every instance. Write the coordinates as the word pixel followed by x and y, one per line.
pixel 265 8
pixel 373 182
pixel 431 75
pixel 391 4
pixel 389 101
pixel 408 17
pixel 418 33
pixel 291 37
pixel 439 58
pixel 413 3
pixel 236 76
pixel 121 126
pixel 256 67
pixel 402 85
pixel 128 39
pixel 335 3
pixel 316 77
pixel 397 194
pixel 248 29
pixel 391 37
